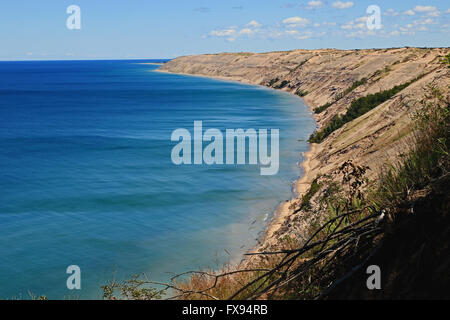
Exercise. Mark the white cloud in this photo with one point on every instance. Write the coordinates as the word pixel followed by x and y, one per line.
pixel 424 8
pixel 234 32
pixel 342 5
pixel 407 30
pixel 304 35
pixel 391 13
pixel 361 19
pixel 246 31
pixel 294 22
pixel 359 23
pixel 347 26
pixel 429 10
pixel 394 33
pixel 357 34
pixel 291 32
pixel 409 13
pixel 255 29
pixel 314 5
pixel 448 11
pixel 434 14
pixel 412 28
pixel 254 24
pixel 424 22
pixel 223 33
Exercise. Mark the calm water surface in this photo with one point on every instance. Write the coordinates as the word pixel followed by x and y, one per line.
pixel 86 176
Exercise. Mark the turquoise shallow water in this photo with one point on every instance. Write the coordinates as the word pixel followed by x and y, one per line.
pixel 86 176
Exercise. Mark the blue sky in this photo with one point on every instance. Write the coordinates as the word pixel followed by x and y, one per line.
pixel 134 29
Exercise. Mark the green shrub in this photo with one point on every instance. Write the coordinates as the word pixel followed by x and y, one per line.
pixel 357 108
pixel 446 60
pixel 273 81
pixel 323 107
pixel 283 84
pixel 315 187
pixel 355 85
pixel 301 93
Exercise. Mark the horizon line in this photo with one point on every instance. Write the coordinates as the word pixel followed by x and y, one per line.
pixel 229 52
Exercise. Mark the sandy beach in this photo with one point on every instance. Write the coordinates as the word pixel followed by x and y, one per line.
pixel 284 211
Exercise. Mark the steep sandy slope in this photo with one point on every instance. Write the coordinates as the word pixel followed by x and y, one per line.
pixel 330 76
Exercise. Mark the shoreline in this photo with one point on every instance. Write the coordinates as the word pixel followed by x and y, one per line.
pixel 301 185
pixel 227 79
pixel 283 212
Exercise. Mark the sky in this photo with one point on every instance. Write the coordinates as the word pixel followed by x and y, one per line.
pixel 148 29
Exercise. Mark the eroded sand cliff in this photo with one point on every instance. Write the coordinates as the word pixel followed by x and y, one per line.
pixel 335 77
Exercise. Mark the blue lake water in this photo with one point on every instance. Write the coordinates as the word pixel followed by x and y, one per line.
pixel 86 176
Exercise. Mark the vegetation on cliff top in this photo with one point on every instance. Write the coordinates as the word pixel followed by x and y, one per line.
pixel 355 85
pixel 446 60
pixel 357 108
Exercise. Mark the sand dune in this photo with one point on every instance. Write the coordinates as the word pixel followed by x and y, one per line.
pixel 324 76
